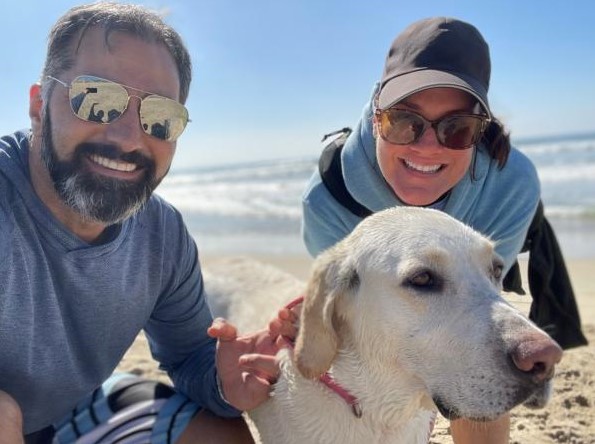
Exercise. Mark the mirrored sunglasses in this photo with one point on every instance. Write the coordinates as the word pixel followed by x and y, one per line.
pixel 94 99
pixel 455 131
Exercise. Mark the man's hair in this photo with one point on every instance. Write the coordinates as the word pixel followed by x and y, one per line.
pixel 66 35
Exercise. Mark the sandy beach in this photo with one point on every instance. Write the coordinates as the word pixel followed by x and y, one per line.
pixel 570 416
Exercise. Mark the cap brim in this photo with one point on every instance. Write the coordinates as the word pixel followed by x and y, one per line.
pixel 397 88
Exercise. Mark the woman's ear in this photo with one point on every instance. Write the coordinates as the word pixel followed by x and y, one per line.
pixel 35 108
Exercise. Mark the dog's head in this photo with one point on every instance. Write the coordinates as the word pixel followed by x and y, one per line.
pixel 417 292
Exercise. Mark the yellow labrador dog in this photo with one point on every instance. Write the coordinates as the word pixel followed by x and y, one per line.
pixel 404 316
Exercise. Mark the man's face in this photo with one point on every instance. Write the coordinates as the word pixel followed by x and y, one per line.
pixel 106 172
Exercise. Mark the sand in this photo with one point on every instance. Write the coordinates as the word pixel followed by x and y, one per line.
pixel 568 418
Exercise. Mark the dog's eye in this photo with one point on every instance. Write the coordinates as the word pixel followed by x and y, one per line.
pixel 497 270
pixel 423 280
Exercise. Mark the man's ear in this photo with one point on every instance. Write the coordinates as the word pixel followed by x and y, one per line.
pixel 35 107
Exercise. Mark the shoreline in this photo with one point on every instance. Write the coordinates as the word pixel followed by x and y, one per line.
pixel 575 235
pixel 580 270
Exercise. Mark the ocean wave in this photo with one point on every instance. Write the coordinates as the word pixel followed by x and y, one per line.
pixel 276 199
pixel 565 173
pixel 267 171
pixel 570 211
pixel 576 146
pixel 273 189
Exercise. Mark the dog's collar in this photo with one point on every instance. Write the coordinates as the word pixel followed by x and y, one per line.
pixel 327 379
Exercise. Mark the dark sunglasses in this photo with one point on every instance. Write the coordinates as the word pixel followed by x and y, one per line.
pixel 94 99
pixel 456 131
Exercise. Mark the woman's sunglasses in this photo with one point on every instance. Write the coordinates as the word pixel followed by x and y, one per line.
pixel 94 99
pixel 456 131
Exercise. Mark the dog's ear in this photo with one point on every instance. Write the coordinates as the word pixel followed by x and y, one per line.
pixel 322 312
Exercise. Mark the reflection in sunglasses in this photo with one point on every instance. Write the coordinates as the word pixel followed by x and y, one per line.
pixel 455 131
pixel 158 130
pixel 98 100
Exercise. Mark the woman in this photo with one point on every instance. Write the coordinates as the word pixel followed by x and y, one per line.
pixel 436 71
pixel 428 138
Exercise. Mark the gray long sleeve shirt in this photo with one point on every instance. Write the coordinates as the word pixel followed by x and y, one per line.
pixel 70 310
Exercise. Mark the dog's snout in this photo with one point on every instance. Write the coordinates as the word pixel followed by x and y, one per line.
pixel 537 356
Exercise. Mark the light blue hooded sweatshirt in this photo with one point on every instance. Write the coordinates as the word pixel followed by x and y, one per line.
pixel 499 203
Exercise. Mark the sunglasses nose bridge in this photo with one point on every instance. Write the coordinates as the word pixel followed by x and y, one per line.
pixel 131 107
pixel 136 103
pixel 126 129
pixel 427 136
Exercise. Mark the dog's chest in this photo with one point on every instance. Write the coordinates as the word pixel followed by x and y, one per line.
pixel 303 411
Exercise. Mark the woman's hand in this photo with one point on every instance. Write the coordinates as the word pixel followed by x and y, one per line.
pixel 285 324
pixel 246 365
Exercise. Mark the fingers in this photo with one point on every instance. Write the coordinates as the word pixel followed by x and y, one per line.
pixel 284 342
pixel 284 324
pixel 262 366
pixel 287 314
pixel 255 390
pixel 222 330
pixel 251 382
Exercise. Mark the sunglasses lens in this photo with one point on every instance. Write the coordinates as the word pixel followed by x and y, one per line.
pixel 459 132
pixel 97 100
pixel 163 118
pixel 400 127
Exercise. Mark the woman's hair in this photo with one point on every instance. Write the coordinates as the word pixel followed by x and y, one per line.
pixel 66 36
pixel 497 141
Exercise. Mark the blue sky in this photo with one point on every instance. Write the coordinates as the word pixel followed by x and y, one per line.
pixel 272 76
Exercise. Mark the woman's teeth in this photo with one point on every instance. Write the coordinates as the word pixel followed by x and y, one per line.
pixel 421 168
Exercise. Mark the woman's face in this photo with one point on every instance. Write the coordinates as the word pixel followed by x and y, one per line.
pixel 422 172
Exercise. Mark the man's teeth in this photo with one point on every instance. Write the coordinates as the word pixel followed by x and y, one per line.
pixel 422 168
pixel 112 164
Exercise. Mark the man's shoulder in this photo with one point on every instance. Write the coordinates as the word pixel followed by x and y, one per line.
pixel 159 210
pixel 11 168
pixel 161 221
pixel 11 144
pixel 13 151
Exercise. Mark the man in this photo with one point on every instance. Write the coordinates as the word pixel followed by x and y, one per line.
pixel 89 257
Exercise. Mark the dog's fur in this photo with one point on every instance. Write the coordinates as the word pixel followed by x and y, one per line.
pixel 406 314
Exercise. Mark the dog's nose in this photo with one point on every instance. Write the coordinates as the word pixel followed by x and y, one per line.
pixel 537 356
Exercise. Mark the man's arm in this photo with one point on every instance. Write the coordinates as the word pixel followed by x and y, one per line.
pixel 225 377
pixel 177 327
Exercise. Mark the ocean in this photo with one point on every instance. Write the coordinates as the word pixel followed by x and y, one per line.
pixel 255 208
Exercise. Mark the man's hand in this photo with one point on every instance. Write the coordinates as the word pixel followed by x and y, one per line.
pixel 246 364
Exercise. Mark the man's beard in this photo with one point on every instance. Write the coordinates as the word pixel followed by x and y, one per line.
pixel 94 197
